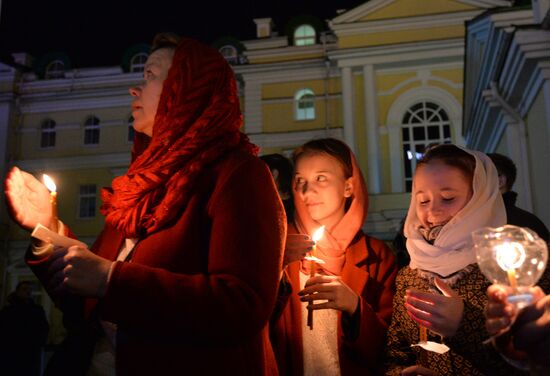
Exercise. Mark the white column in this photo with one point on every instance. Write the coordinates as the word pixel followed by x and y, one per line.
pixel 546 96
pixel 396 161
pixel 348 106
pixel 516 140
pixel 371 124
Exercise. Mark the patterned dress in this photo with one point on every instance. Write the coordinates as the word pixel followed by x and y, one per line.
pixel 468 355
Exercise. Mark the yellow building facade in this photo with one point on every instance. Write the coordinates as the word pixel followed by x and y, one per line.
pixel 386 77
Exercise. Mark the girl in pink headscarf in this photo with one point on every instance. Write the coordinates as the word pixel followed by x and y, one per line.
pixel 352 288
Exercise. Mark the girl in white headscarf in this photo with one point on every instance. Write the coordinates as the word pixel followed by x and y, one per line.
pixel 455 191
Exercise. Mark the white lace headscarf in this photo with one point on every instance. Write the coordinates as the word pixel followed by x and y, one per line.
pixel 453 249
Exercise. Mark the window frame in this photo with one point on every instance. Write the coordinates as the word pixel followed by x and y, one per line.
pixel 138 67
pixel 47 129
pixel 86 196
pixel 92 126
pixel 301 113
pixel 308 37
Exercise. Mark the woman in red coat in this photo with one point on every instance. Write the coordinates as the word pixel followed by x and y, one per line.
pixel 183 278
pixel 352 289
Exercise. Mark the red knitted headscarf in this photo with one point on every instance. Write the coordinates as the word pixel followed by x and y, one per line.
pixel 197 123
pixel 332 246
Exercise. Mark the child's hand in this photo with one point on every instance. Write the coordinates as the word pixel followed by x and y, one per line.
pixel 417 371
pixel 499 313
pixel 296 247
pixel 331 288
pixel 439 313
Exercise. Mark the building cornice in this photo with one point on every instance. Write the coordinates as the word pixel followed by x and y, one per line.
pixel 74 162
pixel 285 52
pixel 372 6
pixel 398 53
pixel 265 43
pixel 292 139
pixel 401 24
pixel 56 102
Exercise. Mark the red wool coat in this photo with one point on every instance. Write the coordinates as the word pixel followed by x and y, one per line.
pixel 370 271
pixel 196 297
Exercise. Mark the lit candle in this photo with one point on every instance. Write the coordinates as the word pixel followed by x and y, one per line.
pixel 53 199
pixel 317 235
pixel 510 256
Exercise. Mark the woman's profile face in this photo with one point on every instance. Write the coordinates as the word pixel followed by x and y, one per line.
pixel 441 191
pixel 322 186
pixel 147 95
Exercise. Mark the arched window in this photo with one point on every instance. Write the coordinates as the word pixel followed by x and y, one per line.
pixel 55 69
pixel 304 35
pixel 230 53
pixel 131 130
pixel 47 134
pixel 137 63
pixel 424 124
pixel 304 104
pixel 91 131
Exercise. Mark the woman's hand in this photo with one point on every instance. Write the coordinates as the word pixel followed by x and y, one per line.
pixel 439 313
pixel 28 200
pixel 499 313
pixel 297 245
pixel 79 271
pixel 531 329
pixel 417 371
pixel 331 288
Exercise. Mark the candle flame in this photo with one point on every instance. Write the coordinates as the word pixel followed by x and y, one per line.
pixel 49 183
pixel 318 234
pixel 510 255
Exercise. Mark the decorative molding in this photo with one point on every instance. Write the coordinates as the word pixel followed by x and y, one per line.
pixel 426 51
pixel 75 162
pixel 404 23
pixel 318 98
pixel 59 105
pixel 293 139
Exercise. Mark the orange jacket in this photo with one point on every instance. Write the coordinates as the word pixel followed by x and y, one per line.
pixel 370 271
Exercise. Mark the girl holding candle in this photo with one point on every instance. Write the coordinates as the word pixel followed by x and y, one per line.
pixel 352 289
pixel 184 276
pixel 455 191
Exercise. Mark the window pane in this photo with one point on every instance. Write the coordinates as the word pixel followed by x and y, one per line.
pixel 446 131
pixel 419 133
pixel 433 132
pixel 405 133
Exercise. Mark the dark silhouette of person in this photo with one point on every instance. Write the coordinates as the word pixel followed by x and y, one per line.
pixel 507 172
pixel 23 332
pixel 281 168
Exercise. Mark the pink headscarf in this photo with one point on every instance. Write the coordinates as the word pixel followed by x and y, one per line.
pixel 332 246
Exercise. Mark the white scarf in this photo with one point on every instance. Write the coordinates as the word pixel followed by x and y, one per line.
pixel 453 248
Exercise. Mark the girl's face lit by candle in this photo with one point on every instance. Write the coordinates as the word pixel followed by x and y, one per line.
pixel 321 185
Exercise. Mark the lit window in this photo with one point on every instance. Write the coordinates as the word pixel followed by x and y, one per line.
pixel 230 53
pixel 131 130
pixel 55 69
pixel 91 131
pixel 137 63
pixel 304 102
pixel 47 136
pixel 87 201
pixel 304 35
pixel 424 124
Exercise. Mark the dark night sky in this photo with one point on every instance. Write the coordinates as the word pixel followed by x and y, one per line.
pixel 97 32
